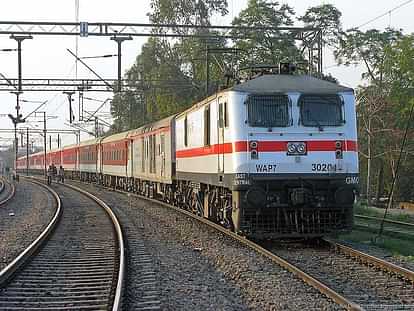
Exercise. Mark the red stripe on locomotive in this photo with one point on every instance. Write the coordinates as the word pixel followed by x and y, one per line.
pixel 263 146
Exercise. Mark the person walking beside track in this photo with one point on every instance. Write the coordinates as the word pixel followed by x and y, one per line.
pixel 61 175
pixel 49 174
pixel 54 172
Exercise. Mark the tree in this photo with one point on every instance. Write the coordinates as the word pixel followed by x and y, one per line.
pixel 266 46
pixel 326 17
pixel 367 47
pixel 399 68
pixel 186 12
pixel 169 74
pixel 160 82
pixel 375 106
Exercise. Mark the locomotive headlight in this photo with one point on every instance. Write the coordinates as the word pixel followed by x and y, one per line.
pixel 253 144
pixel 296 148
pixel 338 144
pixel 291 148
pixel 301 148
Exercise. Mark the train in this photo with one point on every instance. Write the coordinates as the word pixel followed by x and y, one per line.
pixel 272 157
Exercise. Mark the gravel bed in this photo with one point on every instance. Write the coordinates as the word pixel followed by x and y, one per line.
pixel 198 268
pixel 380 253
pixel 23 219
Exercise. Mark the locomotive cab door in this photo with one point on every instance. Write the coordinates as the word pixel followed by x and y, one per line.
pixel 220 138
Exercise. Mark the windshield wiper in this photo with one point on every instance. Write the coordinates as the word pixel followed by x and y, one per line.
pixel 311 118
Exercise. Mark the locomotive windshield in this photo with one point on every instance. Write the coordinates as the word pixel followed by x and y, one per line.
pixel 321 110
pixel 268 110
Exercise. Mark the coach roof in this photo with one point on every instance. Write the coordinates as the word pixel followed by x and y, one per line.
pixel 290 83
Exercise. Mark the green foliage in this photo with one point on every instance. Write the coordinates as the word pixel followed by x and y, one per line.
pixel 367 47
pixel 186 12
pixel 397 247
pixel 265 46
pixel 379 213
pixel 328 18
pixel 170 74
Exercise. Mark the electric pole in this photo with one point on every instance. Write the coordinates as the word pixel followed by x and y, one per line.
pixel 119 40
pixel 70 94
pixel 18 119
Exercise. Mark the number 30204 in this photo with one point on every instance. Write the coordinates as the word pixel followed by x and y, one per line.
pixel 323 167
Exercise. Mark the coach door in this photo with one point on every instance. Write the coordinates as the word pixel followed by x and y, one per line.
pixel 162 154
pixel 220 140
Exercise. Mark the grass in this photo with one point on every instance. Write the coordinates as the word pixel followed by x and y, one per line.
pixel 397 247
pixel 361 209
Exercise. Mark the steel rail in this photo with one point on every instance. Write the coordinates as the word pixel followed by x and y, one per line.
pixel 308 279
pixel 26 254
pixel 394 222
pixel 369 259
pixel 11 193
pixel 121 245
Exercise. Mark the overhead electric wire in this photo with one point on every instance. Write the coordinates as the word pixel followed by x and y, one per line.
pixel 384 14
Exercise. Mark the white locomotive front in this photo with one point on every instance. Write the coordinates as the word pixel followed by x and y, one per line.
pixel 272 157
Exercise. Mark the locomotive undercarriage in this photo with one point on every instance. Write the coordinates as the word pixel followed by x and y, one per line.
pixel 294 208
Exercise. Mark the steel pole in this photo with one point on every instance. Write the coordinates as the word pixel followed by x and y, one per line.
pixel 119 65
pixel 19 63
pixel 16 146
pixel 44 142
pixel 27 152
pixel 207 71
pixel 119 41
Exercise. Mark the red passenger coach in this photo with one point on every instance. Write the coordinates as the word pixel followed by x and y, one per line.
pixel 88 159
pixel 70 160
pixel 54 157
pixel 114 152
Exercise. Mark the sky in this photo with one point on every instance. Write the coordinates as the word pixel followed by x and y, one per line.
pixel 47 57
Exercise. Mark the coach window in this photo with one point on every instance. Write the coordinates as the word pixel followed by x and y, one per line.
pixel 185 131
pixel 207 125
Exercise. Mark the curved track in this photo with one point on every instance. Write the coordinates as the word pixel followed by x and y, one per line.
pixel 349 277
pixel 79 265
pixel 7 191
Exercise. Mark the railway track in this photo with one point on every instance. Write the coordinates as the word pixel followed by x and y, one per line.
pixel 367 281
pixel 356 281
pixel 7 191
pixel 76 264
pixel 392 228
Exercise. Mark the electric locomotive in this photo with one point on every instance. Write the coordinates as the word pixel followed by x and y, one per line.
pixel 273 157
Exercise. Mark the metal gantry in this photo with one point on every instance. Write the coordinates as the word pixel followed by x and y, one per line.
pixel 310 37
pixel 83 85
